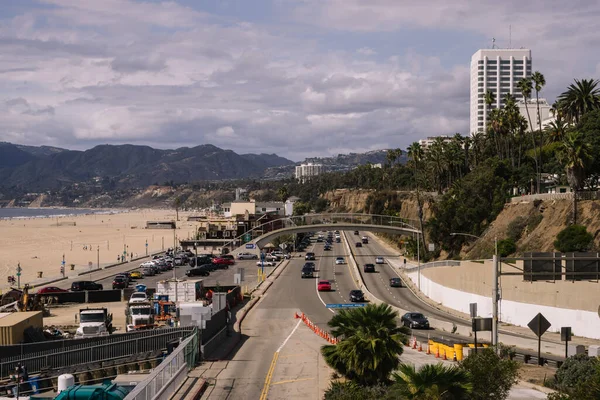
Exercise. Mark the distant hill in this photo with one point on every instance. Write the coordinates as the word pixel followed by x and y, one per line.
pixel 45 167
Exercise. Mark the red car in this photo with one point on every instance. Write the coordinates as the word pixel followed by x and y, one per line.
pixel 223 261
pixel 51 289
pixel 324 286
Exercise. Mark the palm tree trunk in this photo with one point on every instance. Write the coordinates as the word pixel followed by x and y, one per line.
pixel 574 206
pixel 535 155
pixel 540 164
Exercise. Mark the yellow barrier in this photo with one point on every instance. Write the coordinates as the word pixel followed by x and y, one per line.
pixel 440 350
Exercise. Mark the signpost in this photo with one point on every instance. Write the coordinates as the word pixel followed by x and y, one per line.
pixel 539 325
pixel 348 305
pixel 90 264
pixel 62 266
pixel 262 264
pixel 19 269
pixel 147 247
pixel 473 309
pixel 250 246
pixel 565 336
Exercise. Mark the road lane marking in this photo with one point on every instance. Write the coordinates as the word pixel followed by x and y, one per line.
pixel 292 380
pixel 269 377
pixel 317 285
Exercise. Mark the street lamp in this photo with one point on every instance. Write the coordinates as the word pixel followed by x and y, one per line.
pixel 496 287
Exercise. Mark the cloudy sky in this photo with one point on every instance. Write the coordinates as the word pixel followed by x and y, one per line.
pixel 294 77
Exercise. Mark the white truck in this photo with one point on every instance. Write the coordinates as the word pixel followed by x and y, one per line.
pixel 139 316
pixel 181 290
pixel 94 322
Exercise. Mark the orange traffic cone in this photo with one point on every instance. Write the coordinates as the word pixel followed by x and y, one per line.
pixel 454 358
pixel 445 358
pixel 414 344
pixel 420 347
pixel 437 354
pixel 428 348
pixel 296 316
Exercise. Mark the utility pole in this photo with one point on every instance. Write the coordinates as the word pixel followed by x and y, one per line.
pixel 146 247
pixel 98 260
pixel 495 298
pixel 418 262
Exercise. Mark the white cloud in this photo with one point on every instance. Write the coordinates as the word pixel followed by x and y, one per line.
pixel 366 51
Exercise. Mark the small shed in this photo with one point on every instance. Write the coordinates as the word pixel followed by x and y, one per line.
pixel 13 325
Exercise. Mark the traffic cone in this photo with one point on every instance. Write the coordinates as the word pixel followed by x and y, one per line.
pixel 420 347
pixel 437 354
pixel 428 349
pixel 296 316
pixel 445 358
pixel 454 358
pixel 414 344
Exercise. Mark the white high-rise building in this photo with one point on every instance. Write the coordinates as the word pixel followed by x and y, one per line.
pixel 305 171
pixel 499 71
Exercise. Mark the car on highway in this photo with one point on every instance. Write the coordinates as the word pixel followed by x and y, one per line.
pixel 309 256
pixel 327 247
pixel 247 256
pixel 356 295
pixel 51 289
pixel 379 260
pixel 358 244
pixel 340 260
pixel 395 282
pixel 200 270
pixel 365 240
pixel 369 268
pixel 119 282
pixel 307 272
pixel 310 265
pixel 138 297
pixel 136 275
pixel 356 233
pixel 266 263
pixel 415 320
pixel 324 286
pixel 126 276
pixel 80 286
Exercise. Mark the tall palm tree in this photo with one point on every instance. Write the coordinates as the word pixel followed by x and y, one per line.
pixel 525 85
pixel 540 81
pixel 575 154
pixel 417 154
pixel 177 205
pixel 371 343
pixel 489 99
pixel 579 98
pixel 435 381
pixel 555 130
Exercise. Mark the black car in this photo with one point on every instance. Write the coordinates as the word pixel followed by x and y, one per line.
pixel 119 283
pixel 310 265
pixel 358 244
pixel 80 286
pixel 200 270
pixel 327 247
pixel 357 295
pixel 309 256
pixel 415 320
pixel 395 282
pixel 307 272
pixel 369 268
pixel 356 232
pixel 200 260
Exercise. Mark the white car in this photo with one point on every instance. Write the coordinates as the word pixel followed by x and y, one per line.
pixel 267 263
pixel 138 297
pixel 340 260
pixel 379 260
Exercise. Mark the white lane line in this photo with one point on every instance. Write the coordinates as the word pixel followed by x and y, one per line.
pixel 317 284
pixel 289 336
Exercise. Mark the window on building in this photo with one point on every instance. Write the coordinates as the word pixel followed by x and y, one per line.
pixel 225 233
pixel 213 234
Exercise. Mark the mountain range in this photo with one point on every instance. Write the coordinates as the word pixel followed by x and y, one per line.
pixel 44 167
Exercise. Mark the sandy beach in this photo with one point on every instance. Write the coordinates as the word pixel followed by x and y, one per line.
pixel 39 244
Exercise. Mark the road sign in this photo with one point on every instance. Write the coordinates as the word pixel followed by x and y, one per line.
pixel 250 245
pixel 90 264
pixel 18 274
pixel 349 305
pixel 565 333
pixel 19 269
pixel 283 246
pixel 539 325
pixel 247 237
pixel 473 308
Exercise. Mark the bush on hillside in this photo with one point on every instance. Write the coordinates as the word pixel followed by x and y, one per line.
pixel 506 247
pixel 491 376
pixel 573 238
pixel 574 371
pixel 515 228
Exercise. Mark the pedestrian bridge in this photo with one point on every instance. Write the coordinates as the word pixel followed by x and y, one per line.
pixel 266 233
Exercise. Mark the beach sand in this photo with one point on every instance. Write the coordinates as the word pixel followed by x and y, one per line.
pixel 38 244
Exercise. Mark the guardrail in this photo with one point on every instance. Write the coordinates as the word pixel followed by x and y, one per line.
pixel 542 196
pixel 166 378
pixel 442 263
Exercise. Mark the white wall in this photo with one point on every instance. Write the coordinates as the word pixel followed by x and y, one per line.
pixel 582 323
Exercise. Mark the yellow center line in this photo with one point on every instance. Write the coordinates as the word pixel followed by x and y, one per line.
pixel 265 391
pixel 293 380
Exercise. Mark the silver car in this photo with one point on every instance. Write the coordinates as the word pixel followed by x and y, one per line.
pixel 247 256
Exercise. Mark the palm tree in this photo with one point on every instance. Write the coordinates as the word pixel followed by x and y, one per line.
pixel 525 86
pixel 579 98
pixel 433 381
pixel 489 99
pixel 540 81
pixel 555 130
pixel 177 205
pixel 575 154
pixel 283 193
pixel 371 343
pixel 416 155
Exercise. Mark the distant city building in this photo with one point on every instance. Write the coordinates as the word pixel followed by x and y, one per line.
pixel 545 113
pixel 499 71
pixel 305 171
pixel 426 143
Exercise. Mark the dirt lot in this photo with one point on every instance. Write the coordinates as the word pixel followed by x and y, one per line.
pixel 536 374
pixel 64 316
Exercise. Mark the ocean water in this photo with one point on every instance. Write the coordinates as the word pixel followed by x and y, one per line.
pixel 6 213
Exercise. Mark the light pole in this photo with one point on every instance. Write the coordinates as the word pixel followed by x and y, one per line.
pixel 496 285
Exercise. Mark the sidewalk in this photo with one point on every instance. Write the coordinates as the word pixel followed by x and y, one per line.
pixel 551 342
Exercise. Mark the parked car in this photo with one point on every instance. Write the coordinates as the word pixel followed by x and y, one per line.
pixel 266 263
pixel 369 268
pixel 358 244
pixel 379 260
pixel 356 295
pixel 340 260
pixel 51 289
pixel 79 286
pixel 324 286
pixel 125 276
pixel 148 271
pixel 119 282
pixel 200 260
pixel 395 282
pixel 415 320
pixel 200 270
pixel 138 297
pixel 309 256
pixel 223 263
pixel 247 256
pixel 136 275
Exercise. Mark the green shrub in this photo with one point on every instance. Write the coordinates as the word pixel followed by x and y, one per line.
pixel 573 238
pixel 491 376
pixel 506 247
pixel 534 221
pixel 575 370
pixel 515 228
